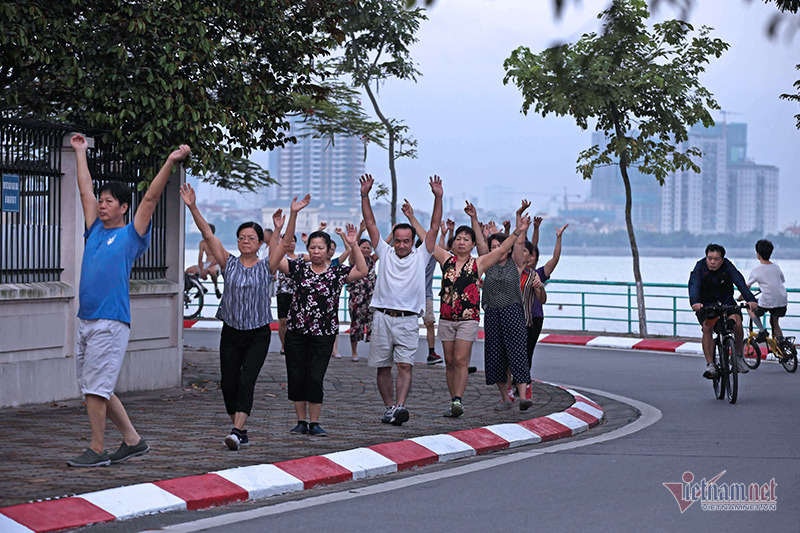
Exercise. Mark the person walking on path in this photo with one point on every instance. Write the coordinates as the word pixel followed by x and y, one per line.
pixel 399 301
pixel 245 315
pixel 109 253
pixel 359 305
pixel 312 324
pixel 504 316
pixel 459 315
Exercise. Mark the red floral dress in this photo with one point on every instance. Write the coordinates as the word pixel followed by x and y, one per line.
pixel 461 294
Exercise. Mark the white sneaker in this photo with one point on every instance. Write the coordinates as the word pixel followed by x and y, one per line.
pixel 387 415
pixel 741 366
pixel 711 371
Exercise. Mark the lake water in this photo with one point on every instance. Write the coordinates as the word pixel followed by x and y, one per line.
pixel 604 308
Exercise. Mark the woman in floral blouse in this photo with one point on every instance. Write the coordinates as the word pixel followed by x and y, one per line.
pixel 459 314
pixel 312 324
pixel 360 297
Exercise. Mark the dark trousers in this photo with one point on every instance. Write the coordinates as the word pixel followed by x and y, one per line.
pixel 307 358
pixel 533 335
pixel 241 355
pixel 504 345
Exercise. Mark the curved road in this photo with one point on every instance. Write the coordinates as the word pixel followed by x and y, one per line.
pixel 612 485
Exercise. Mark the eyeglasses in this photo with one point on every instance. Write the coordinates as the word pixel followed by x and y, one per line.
pixel 251 238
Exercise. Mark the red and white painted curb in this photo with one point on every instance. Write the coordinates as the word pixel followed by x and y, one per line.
pixel 262 481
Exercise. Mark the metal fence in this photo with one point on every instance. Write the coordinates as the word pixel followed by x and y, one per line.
pixel 597 306
pixel 30 240
pixel 107 164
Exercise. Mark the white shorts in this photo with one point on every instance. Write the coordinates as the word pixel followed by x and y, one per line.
pixel 99 353
pixel 393 340
pixel 428 318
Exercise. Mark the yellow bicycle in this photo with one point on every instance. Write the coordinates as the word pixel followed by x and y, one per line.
pixel 783 349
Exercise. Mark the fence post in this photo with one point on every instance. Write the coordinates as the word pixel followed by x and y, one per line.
pixel 583 311
pixel 629 309
pixel 674 316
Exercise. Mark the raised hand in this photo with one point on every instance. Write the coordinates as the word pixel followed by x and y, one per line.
pixel 304 236
pixel 78 143
pixel 443 228
pixel 188 195
pixel 436 186
pixel 339 232
pixel 362 226
pixel 492 227
pixel 451 225
pixel 179 154
pixel 537 221
pixel 407 210
pixel 297 206
pixel 507 226
pixel 560 230
pixel 485 231
pixel 351 235
pixel 525 205
pixel 366 183
pixel 278 219
pixel 323 226
pixel 470 210
pixel 524 224
pixel 537 282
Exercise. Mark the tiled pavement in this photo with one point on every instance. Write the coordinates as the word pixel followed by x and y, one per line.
pixel 185 427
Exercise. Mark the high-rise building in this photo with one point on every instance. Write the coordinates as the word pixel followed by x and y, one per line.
pixel 731 194
pixel 327 170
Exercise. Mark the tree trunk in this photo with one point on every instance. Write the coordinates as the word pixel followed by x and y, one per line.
pixel 390 131
pixel 637 273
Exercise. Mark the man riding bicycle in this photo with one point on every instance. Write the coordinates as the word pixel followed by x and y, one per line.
pixel 712 281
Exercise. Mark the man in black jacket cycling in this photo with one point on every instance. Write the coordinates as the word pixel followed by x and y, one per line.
pixel 711 282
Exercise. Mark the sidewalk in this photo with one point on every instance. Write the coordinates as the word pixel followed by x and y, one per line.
pixel 185 427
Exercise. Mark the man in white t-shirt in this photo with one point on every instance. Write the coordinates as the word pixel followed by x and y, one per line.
pixel 773 299
pixel 398 300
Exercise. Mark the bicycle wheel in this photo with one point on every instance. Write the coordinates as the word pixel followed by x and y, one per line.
pixel 730 362
pixel 718 382
pixel 192 299
pixel 790 356
pixel 752 353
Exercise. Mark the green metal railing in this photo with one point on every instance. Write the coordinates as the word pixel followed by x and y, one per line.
pixel 599 306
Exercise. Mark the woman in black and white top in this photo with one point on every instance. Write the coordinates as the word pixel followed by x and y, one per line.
pixel 245 314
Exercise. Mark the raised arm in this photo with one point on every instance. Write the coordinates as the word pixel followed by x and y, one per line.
pixel 538 288
pixel 537 221
pixel 408 211
pixel 525 204
pixel 436 217
pixel 551 264
pixel 480 241
pixel 366 182
pixel 518 251
pixel 485 261
pixel 213 242
pixel 347 247
pixel 360 269
pixel 88 200
pixel 277 251
pixel 443 238
pixel 141 220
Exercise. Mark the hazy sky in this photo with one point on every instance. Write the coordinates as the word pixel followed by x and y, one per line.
pixel 471 132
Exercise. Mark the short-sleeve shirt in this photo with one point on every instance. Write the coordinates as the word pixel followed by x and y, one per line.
pixel 108 256
pixel 315 305
pixel 401 280
pixel 771 282
pixel 461 291
pixel 245 303
pixel 501 286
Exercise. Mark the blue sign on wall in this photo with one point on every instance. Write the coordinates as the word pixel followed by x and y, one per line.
pixel 10 193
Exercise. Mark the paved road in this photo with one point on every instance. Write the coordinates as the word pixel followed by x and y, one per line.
pixel 613 485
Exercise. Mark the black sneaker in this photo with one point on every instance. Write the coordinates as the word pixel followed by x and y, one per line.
pixel 387 415
pixel 434 359
pixel 90 458
pixel 762 336
pixel 315 429
pixel 399 415
pixel 472 369
pixel 300 429
pixel 125 452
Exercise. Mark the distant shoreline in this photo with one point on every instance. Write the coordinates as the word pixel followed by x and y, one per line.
pixel 648 251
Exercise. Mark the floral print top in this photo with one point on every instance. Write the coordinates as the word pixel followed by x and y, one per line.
pixel 315 305
pixel 361 290
pixel 461 295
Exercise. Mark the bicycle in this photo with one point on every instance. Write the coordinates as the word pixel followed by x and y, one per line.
pixel 783 349
pixel 726 382
pixel 193 293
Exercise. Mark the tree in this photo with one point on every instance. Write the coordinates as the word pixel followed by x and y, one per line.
pixel 640 85
pixel 378 34
pixel 219 75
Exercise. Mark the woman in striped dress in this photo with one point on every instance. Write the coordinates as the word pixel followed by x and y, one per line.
pixel 245 315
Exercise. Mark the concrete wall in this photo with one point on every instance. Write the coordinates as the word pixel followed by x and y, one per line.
pixel 38 321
